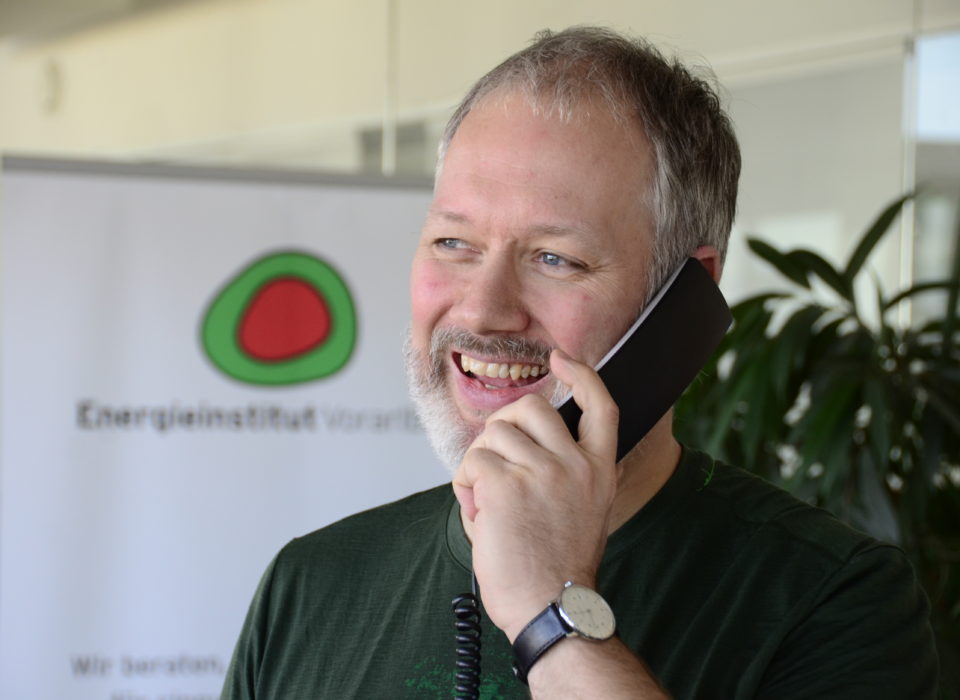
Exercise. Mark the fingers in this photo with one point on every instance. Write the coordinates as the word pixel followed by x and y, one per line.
pixel 601 417
pixel 500 445
pixel 463 482
pixel 529 422
pixel 469 477
pixel 464 495
pixel 515 445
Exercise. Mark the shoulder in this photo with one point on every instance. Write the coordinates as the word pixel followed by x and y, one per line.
pixel 765 511
pixel 850 608
pixel 373 534
pixel 784 548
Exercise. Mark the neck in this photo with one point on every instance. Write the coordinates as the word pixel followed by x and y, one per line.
pixel 644 471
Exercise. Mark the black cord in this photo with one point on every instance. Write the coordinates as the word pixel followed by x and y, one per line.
pixel 466 609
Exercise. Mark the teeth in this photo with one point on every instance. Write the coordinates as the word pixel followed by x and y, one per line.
pixel 501 370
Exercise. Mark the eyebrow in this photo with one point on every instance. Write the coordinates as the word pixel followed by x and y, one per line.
pixel 447 215
pixel 540 229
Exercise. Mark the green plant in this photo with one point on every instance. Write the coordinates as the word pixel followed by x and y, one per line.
pixel 847 409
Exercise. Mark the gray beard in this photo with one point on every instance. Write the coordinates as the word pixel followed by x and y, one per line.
pixel 449 434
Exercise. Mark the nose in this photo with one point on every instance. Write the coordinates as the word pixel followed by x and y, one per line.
pixel 492 299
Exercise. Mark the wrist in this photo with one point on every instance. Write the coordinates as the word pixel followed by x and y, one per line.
pixel 579 611
pixel 534 601
pixel 525 613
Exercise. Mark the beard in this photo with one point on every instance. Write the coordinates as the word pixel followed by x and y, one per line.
pixel 449 433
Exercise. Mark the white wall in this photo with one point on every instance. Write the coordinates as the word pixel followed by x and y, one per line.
pixel 822 153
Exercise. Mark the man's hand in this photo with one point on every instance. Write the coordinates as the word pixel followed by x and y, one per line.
pixel 536 502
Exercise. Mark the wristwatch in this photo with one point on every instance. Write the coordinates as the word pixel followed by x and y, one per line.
pixel 578 612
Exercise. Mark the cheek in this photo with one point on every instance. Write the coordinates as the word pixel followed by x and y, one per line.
pixel 569 318
pixel 430 295
pixel 584 327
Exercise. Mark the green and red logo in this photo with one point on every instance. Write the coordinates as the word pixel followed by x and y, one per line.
pixel 287 318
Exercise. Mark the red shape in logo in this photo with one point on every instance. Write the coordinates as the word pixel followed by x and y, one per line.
pixel 286 317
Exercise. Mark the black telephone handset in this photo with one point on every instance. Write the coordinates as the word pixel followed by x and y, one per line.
pixel 657 358
pixel 645 373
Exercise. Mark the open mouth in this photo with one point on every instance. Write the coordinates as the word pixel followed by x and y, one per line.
pixel 500 375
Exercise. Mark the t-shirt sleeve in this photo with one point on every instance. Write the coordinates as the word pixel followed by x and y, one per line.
pixel 866 636
pixel 241 679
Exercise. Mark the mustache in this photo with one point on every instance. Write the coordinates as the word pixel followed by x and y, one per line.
pixel 507 346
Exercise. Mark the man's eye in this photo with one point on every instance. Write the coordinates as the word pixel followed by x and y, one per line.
pixel 450 243
pixel 553 260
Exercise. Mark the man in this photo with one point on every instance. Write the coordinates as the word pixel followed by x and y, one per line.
pixel 573 179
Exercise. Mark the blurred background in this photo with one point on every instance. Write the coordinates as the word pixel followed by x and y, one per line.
pixel 839 106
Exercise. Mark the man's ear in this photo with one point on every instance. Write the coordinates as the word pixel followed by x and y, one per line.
pixel 710 259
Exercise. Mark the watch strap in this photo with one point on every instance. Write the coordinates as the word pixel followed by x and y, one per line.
pixel 541 633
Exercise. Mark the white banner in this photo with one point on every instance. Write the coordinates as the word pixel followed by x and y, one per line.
pixel 165 429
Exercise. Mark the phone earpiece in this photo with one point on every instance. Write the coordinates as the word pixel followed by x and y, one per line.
pixel 648 369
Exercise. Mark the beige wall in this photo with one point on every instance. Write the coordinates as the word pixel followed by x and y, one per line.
pixel 246 78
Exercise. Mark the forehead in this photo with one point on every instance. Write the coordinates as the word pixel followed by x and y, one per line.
pixel 517 163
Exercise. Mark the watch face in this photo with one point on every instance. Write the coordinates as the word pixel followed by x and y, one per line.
pixel 585 611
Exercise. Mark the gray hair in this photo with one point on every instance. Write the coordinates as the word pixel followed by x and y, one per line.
pixel 697 159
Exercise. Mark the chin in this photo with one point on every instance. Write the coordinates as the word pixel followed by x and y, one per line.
pixel 449 435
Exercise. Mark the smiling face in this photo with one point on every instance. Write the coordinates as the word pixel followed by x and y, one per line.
pixel 538 237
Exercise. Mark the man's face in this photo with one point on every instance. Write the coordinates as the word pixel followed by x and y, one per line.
pixel 538 237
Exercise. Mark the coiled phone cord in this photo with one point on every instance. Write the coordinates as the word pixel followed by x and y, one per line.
pixel 466 609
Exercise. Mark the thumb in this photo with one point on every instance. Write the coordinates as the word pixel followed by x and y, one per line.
pixel 464 493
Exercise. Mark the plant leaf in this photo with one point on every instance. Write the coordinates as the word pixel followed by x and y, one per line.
pixel 757 300
pixel 753 422
pixel 747 315
pixel 781 262
pixel 875 515
pixel 872 236
pixel 944 407
pixel 920 288
pixel 835 457
pixel 878 429
pixel 789 348
pixel 832 404
pixel 950 317
pixel 721 429
pixel 932 431
pixel 816 264
pixel 825 341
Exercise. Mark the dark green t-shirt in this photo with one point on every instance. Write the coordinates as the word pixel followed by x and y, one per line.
pixel 726 587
